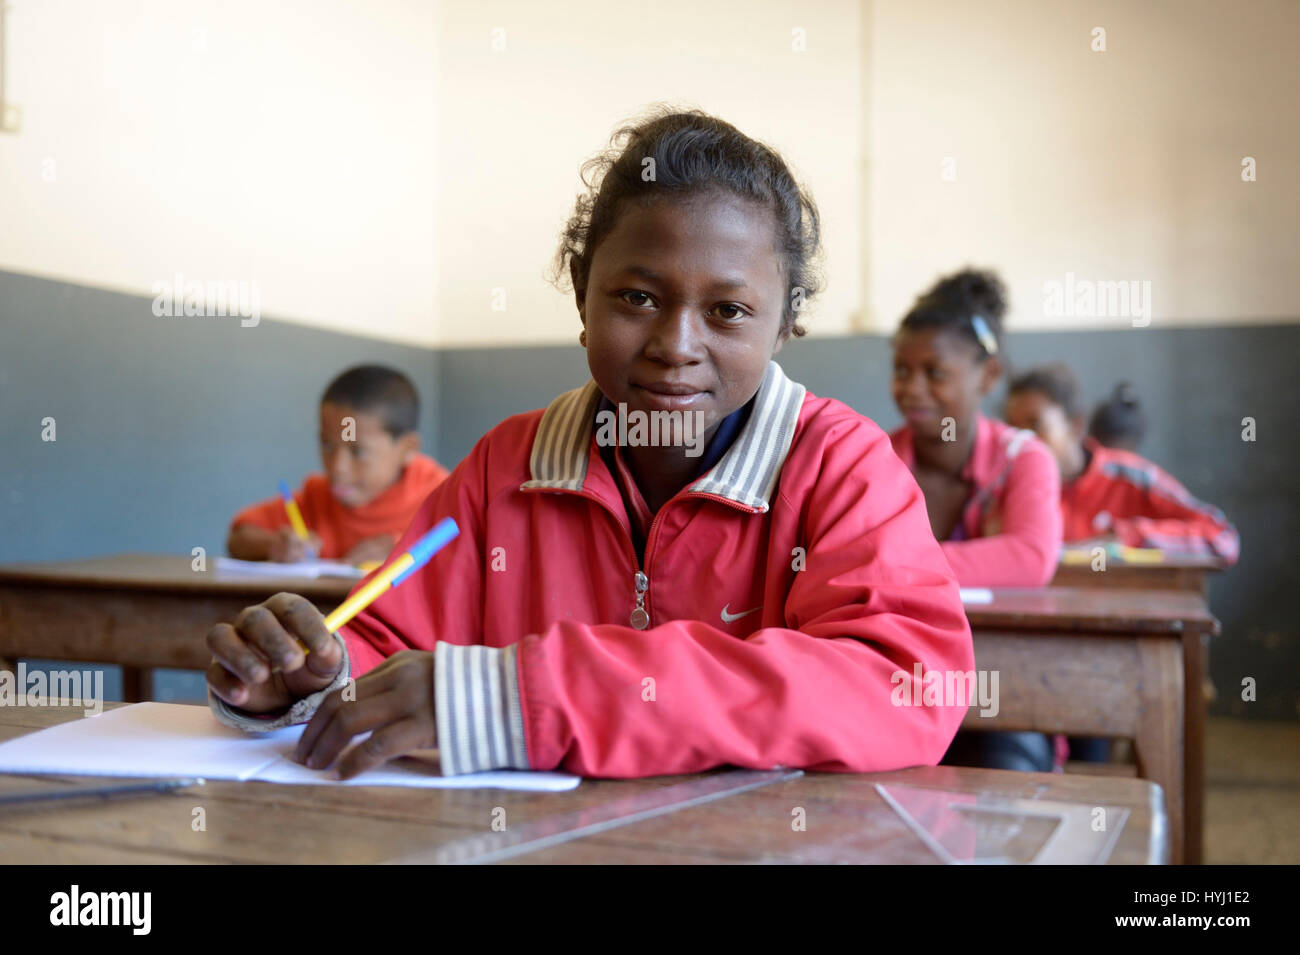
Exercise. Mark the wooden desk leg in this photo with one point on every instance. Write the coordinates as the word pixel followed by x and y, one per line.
pixel 1159 741
pixel 137 684
pixel 1194 654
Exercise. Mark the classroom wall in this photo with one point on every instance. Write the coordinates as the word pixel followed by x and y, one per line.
pixel 163 427
pixel 287 145
pixel 401 170
pixel 1115 165
pixel 526 106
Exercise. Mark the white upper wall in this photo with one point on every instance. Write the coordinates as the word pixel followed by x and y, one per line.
pixel 518 122
pixel 383 168
pixel 287 144
pixel 1122 165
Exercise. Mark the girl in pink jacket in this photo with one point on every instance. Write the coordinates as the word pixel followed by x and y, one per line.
pixel 991 490
pixel 756 585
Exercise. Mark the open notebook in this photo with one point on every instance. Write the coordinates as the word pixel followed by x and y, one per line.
pixel 170 739
pixel 230 567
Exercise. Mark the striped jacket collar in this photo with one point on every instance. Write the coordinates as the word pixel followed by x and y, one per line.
pixel 746 474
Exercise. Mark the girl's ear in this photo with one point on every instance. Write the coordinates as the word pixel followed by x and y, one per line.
pixel 782 337
pixel 579 289
pixel 990 372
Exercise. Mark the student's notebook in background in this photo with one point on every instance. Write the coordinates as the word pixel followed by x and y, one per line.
pixel 230 567
pixel 171 739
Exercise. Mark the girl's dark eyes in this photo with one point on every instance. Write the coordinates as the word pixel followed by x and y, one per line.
pixel 933 373
pixel 629 294
pixel 727 311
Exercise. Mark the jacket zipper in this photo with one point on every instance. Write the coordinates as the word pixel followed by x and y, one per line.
pixel 639 619
pixel 640 616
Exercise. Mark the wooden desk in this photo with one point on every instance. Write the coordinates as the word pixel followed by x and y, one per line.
pixel 1173 573
pixel 1116 663
pixel 137 610
pixel 1102 662
pixel 847 821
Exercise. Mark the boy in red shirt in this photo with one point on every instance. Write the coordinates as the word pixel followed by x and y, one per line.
pixel 751 596
pixel 1110 493
pixel 375 477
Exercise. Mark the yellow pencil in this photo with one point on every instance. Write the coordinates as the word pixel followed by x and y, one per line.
pixel 1141 555
pixel 443 533
pixel 295 515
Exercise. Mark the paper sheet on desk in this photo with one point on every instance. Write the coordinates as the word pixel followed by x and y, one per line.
pixel 976 595
pixel 230 567
pixel 170 739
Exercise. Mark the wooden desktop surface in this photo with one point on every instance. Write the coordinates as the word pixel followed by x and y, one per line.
pixel 1081 661
pixel 1172 573
pixel 846 819
pixel 165 573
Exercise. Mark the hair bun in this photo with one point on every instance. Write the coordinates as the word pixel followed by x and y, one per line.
pixel 1125 395
pixel 983 293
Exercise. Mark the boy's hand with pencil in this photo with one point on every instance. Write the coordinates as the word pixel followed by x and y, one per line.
pixel 258 662
pixel 288 548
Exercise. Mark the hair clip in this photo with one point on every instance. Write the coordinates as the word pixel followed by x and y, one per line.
pixel 985 336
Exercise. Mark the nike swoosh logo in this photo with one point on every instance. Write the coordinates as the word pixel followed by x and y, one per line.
pixel 729 617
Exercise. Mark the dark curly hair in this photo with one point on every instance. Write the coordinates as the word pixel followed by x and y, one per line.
pixel 954 300
pixel 693 153
pixel 1119 421
pixel 377 390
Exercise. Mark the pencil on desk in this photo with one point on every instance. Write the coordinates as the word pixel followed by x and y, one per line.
pixel 74 792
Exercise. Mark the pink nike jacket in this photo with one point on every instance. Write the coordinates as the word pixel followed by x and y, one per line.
pixel 1011 526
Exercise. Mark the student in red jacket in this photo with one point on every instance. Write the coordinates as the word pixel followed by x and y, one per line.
pixel 753 593
pixel 374 478
pixel 990 490
pixel 1109 493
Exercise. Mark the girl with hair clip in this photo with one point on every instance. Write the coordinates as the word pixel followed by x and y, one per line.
pixel 991 491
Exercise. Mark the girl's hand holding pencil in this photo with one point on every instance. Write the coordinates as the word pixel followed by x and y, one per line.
pixel 283 649
pixel 259 663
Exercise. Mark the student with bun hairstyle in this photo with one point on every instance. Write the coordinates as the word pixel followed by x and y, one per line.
pixel 990 490
pixel 1109 493
pixel 630 609
pixel 1118 422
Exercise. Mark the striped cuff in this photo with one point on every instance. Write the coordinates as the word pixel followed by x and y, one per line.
pixel 480 724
